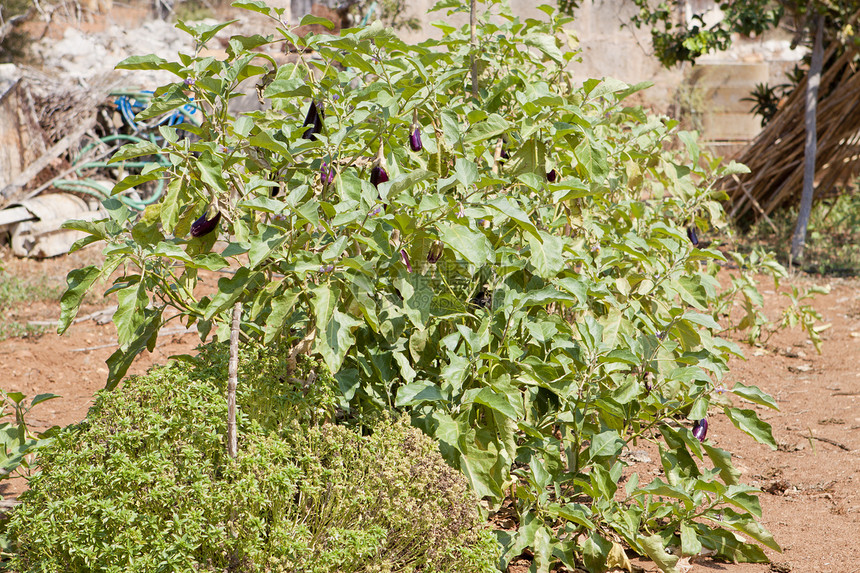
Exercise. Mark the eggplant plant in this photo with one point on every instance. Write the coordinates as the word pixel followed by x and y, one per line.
pixel 524 286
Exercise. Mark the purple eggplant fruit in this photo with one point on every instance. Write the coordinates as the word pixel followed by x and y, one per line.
pixel 700 429
pixel 415 140
pixel 326 173
pixel 405 257
pixel 552 176
pixel 435 252
pixel 313 122
pixel 204 226
pixel 693 235
pixel 378 175
pixel 482 299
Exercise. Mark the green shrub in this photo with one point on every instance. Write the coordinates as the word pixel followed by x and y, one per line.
pixel 527 284
pixel 144 484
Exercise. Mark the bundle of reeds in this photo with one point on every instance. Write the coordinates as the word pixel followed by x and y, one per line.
pixel 775 157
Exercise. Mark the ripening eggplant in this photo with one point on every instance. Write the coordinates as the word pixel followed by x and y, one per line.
pixel 378 175
pixel 313 122
pixel 415 135
pixel 204 226
pixel 552 176
pixel 649 381
pixel 700 429
pixel 326 173
pixel 435 252
pixel 404 256
pixel 482 299
pixel 693 235
pixel 415 140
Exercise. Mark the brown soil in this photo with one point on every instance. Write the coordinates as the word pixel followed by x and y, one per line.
pixel 810 498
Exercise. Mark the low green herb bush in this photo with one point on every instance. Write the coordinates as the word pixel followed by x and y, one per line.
pixel 145 484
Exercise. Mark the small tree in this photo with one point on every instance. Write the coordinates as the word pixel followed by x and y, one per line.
pixel 816 23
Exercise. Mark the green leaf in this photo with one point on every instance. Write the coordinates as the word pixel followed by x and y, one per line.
pixel 729 546
pixel 472 246
pixel 722 460
pixel 148 62
pixel 690 544
pixel 465 171
pixel 604 445
pixel 755 395
pixel 78 283
pixel 653 547
pixel 310 20
pixel 335 339
pixel 510 208
pixel 485 468
pixel 253 5
pixel 264 242
pixel 542 549
pixel 746 524
pixel 546 44
pixel 418 393
pixel 230 290
pixel 575 513
pixel 595 552
pixel 132 150
pixel 493 126
pixel 404 181
pixel 747 421
pixel 129 315
pixel 498 402
pixel 38 399
pixel 546 254
pixel 170 100
pixel 734 168
pixel 211 169
pixel 282 305
pixel 119 362
pixel 688 138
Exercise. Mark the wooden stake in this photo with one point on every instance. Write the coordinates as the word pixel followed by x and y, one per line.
pixel 232 381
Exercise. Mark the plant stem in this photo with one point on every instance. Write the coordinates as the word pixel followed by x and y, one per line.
pixel 232 379
pixel 473 23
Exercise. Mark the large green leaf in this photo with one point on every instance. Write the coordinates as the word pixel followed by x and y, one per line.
pixel 78 283
pixel 417 393
pixel 754 394
pixel 129 314
pixel 472 246
pixel 119 362
pixel 749 422
pixel 230 290
pixel 546 254
pixel 654 547
pixel 335 338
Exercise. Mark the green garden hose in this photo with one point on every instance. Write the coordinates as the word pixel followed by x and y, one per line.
pixel 94 188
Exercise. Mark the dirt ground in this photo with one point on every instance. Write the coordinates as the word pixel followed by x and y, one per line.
pixel 811 484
